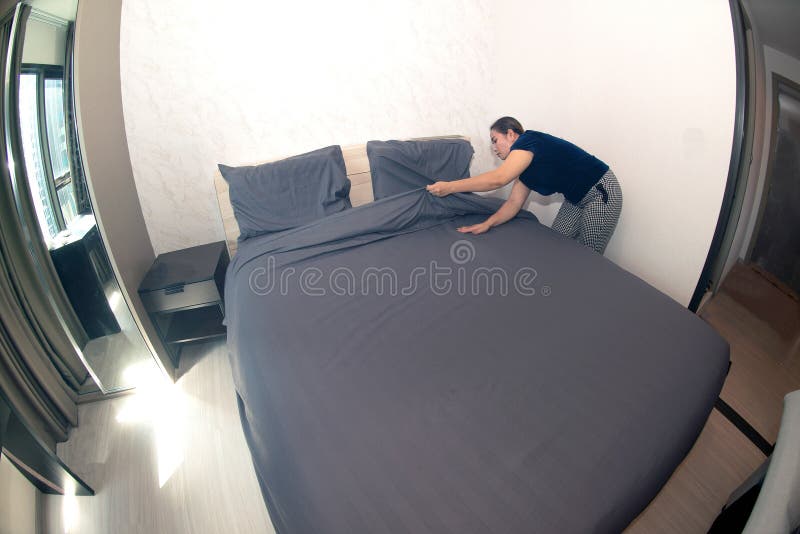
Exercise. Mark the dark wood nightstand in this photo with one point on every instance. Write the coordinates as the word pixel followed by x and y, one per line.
pixel 184 294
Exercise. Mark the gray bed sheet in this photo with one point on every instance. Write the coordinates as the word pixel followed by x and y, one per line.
pixel 456 411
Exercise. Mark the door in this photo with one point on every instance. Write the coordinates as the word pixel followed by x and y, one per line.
pixel 776 248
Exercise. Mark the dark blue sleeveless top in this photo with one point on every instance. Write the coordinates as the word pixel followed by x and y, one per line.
pixel 558 166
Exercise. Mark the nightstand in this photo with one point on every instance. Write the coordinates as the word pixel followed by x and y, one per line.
pixel 183 293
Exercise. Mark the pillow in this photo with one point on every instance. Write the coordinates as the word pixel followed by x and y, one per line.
pixel 400 166
pixel 288 193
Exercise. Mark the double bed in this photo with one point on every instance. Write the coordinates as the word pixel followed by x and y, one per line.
pixel 394 375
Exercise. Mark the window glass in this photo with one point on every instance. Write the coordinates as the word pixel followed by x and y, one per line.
pixel 57 143
pixel 34 164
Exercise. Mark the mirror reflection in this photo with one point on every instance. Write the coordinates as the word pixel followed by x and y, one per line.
pixel 113 349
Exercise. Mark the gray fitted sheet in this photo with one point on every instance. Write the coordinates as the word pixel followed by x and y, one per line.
pixel 562 411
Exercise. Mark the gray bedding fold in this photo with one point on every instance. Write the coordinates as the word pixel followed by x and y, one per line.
pixel 418 406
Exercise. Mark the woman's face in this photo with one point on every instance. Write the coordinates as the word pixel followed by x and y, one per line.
pixel 501 142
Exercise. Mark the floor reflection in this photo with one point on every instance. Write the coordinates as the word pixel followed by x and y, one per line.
pixel 110 357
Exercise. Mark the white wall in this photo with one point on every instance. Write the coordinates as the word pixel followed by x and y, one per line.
pixel 206 83
pixel 647 87
pixel 17 501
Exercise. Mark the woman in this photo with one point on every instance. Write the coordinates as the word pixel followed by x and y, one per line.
pixel 546 164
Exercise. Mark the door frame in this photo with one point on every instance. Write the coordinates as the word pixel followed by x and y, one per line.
pixel 740 48
pixel 777 82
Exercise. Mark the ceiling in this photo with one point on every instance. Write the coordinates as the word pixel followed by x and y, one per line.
pixel 64 9
pixel 777 23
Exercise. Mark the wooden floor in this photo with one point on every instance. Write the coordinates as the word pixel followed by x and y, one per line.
pixel 762 325
pixel 168 459
pixel 173 459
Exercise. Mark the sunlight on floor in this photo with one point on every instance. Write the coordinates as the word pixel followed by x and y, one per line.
pixel 162 405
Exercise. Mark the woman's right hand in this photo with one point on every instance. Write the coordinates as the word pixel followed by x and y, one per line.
pixel 439 189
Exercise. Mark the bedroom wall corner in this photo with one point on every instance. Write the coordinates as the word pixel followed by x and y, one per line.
pixel 648 88
pixel 204 84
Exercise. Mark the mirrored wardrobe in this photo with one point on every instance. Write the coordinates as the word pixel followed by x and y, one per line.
pixel 53 202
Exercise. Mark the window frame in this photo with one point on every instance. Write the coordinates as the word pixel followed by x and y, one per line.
pixel 54 183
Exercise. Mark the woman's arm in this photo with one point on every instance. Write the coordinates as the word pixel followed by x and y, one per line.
pixel 516 162
pixel 519 193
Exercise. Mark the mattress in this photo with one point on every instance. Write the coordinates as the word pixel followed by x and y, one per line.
pixel 395 375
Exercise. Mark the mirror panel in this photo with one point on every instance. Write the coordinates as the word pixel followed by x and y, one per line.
pixel 112 346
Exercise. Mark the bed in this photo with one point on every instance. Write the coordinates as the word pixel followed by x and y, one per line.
pixel 394 375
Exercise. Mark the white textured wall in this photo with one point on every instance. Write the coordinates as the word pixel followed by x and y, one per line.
pixel 207 82
pixel 17 501
pixel 649 88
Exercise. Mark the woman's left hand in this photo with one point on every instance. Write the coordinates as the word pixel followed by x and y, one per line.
pixel 475 229
pixel 439 189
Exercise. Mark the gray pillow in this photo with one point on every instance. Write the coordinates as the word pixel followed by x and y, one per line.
pixel 288 193
pixel 400 166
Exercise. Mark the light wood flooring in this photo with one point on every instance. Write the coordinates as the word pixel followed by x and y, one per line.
pixel 762 324
pixel 174 460
pixel 126 448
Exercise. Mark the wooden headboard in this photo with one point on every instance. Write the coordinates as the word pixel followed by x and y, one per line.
pixel 357 167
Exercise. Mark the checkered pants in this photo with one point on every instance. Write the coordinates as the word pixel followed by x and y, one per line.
pixel 592 220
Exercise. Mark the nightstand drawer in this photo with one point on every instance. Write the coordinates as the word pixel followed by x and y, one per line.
pixel 181 296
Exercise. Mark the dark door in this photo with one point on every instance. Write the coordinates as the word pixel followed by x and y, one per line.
pixel 777 243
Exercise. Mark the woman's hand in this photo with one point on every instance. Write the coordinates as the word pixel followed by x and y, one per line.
pixel 440 189
pixel 475 228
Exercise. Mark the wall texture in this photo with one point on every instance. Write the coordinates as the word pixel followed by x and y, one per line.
pixel 650 89
pixel 205 83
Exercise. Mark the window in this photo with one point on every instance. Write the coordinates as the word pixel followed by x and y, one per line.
pixel 44 142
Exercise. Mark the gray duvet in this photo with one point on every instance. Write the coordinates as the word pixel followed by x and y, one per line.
pixel 533 387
